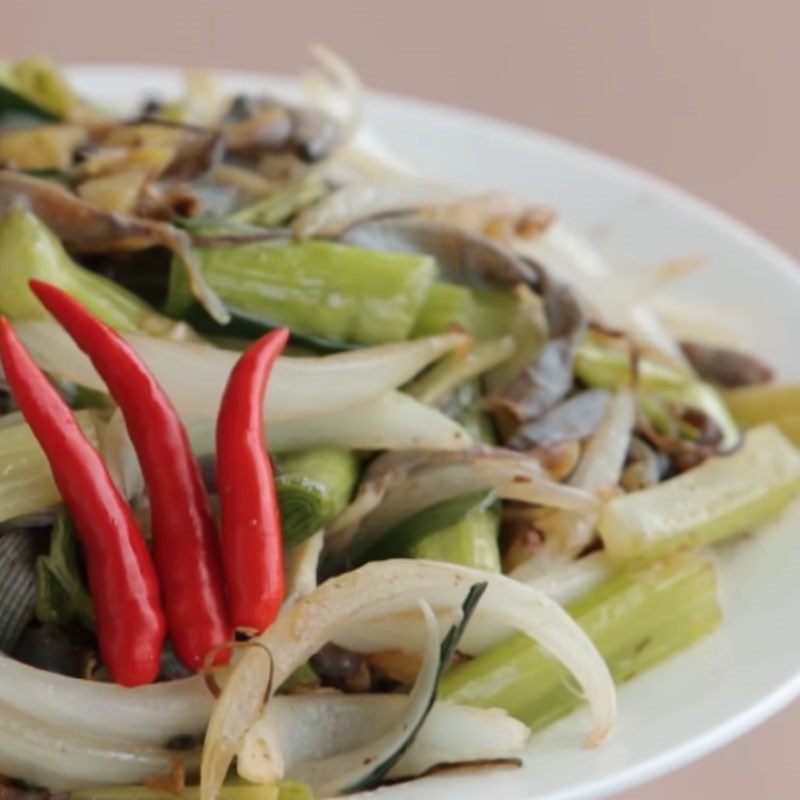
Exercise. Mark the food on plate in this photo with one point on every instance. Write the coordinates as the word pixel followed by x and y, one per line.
pixel 319 473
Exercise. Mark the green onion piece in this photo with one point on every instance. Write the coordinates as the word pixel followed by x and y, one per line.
pixel 60 593
pixel 314 486
pixel 29 250
pixel 724 496
pixel 758 405
pixel 285 790
pixel 26 483
pixel 635 619
pixel 318 289
pixel 280 207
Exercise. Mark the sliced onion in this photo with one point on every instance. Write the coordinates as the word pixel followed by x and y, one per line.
pixel 394 422
pixel 62 758
pixel 347 771
pixel 401 631
pixel 568 533
pixel 301 568
pixel 574 579
pixel 397 486
pixel 120 457
pixel 337 89
pixel 194 374
pixel 567 255
pixel 395 585
pixel 151 714
pixel 367 199
pixel 322 724
pixel 601 464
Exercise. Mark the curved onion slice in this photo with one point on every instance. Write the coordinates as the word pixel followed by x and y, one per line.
pixel 314 726
pixel 394 422
pixel 569 533
pixel 564 253
pixel 395 585
pixel 151 714
pixel 194 374
pixel 401 631
pixel 349 770
pixel 398 485
pixel 301 568
pixel 335 87
pixel 61 758
pixel 120 457
pixel 366 199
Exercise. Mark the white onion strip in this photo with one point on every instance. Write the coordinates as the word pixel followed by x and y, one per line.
pixel 410 484
pixel 365 199
pixel 568 533
pixel 151 714
pixel 346 771
pixel 314 726
pixel 60 758
pixel 396 585
pixel 194 374
pixel 394 422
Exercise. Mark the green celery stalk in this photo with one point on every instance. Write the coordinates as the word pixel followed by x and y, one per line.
pixel 277 208
pixel 29 250
pixel 446 306
pixel 314 486
pixel 636 619
pixel 471 542
pixel 472 539
pixel 285 790
pixel 724 496
pixel 486 313
pixel 26 483
pixel 758 405
pixel 323 289
pixel 403 537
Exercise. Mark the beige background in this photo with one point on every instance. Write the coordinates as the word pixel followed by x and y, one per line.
pixel 702 92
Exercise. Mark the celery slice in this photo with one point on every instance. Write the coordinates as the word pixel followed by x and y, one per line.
pixel 29 250
pixel 26 483
pixel 723 497
pixel 635 619
pixel 757 405
pixel 322 289
pixel 471 542
pixel 447 305
pixel 286 790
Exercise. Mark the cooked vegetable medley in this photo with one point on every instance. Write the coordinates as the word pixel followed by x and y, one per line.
pixel 318 473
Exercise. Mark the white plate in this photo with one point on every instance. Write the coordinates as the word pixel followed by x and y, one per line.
pixel 750 669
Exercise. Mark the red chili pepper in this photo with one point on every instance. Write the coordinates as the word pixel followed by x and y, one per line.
pixel 184 538
pixel 122 578
pixel 252 539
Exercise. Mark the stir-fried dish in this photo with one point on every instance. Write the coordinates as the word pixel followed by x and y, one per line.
pixel 318 473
